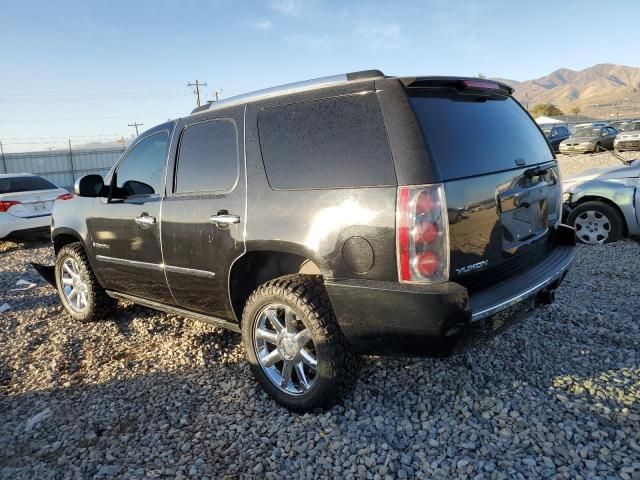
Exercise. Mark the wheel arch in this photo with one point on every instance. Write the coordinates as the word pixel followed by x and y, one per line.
pixel 65 236
pixel 256 267
pixel 598 198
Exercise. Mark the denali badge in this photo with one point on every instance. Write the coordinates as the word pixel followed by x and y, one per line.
pixel 100 245
pixel 472 267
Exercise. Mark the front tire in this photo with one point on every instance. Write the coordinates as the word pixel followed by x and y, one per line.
pixel 80 293
pixel 294 345
pixel 596 222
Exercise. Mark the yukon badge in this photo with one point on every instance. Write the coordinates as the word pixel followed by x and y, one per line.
pixel 472 268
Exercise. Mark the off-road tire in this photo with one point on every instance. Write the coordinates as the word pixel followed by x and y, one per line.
pixel 338 366
pixel 99 304
pixel 615 219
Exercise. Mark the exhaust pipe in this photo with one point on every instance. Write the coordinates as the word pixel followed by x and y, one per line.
pixel 546 297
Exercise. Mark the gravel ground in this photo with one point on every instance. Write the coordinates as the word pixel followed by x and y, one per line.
pixel 150 395
pixel 572 164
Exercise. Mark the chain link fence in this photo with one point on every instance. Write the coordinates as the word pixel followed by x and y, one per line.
pixel 61 167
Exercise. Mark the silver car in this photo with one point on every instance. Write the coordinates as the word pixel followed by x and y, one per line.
pixel 589 138
pixel 629 138
pixel 603 204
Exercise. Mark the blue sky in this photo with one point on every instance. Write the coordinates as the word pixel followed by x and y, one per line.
pixel 87 68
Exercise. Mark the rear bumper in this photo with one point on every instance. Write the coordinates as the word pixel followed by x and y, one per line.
pixel 11 226
pixel 390 318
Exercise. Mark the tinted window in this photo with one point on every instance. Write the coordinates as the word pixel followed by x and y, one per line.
pixel 142 172
pixel 208 157
pixel 329 143
pixel 24 184
pixel 471 135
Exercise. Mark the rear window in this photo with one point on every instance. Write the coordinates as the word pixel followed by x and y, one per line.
pixel 471 135
pixel 24 184
pixel 336 142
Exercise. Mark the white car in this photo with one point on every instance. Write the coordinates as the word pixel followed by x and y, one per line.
pixel 26 201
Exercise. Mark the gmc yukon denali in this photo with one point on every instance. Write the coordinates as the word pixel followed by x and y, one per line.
pixel 348 215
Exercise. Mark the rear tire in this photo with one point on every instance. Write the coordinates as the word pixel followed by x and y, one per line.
pixel 596 222
pixel 294 345
pixel 80 293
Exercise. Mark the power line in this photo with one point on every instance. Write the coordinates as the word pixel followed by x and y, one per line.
pixel 197 90
pixel 164 115
pixel 136 125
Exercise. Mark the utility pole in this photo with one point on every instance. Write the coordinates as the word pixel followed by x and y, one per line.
pixel 73 167
pixel 136 125
pixel 216 92
pixel 197 90
pixel 4 161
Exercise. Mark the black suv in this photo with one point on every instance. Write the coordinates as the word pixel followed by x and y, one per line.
pixel 354 214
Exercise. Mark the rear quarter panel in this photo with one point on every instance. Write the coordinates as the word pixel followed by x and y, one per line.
pixel 318 223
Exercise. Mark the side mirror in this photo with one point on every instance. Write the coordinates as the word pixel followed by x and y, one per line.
pixel 89 186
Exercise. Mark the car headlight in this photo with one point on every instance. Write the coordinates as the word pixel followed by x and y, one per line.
pixel 566 197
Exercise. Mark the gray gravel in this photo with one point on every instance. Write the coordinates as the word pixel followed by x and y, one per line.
pixel 150 395
pixel 573 164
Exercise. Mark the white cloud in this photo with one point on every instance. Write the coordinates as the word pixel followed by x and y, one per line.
pixel 381 35
pixel 261 25
pixel 309 40
pixel 290 8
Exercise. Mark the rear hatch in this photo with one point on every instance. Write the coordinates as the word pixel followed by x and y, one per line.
pixel 501 181
pixel 28 196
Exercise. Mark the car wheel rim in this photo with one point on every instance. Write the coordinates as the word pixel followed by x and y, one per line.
pixel 285 350
pixel 74 285
pixel 592 227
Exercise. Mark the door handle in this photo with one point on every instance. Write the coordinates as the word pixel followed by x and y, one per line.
pixel 145 221
pixel 224 219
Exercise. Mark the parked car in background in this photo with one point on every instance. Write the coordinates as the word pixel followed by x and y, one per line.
pixel 619 125
pixel 26 201
pixel 629 138
pixel 313 219
pixel 555 135
pixel 589 139
pixel 603 204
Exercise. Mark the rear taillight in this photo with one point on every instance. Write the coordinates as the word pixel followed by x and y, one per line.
pixel 7 204
pixel 65 196
pixel 422 234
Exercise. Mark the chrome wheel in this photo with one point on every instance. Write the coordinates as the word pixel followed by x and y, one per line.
pixel 285 350
pixel 592 227
pixel 74 285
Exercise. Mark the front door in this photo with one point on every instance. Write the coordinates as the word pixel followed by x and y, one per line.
pixel 125 228
pixel 203 215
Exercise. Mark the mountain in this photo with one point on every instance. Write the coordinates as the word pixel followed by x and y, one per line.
pixel 603 90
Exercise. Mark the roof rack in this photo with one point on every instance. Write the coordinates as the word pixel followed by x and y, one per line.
pixel 290 88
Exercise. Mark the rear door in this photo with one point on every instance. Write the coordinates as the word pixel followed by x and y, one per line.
pixel 204 215
pixel 125 229
pixel 501 181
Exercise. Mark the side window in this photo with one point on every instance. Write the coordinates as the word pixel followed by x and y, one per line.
pixel 565 131
pixel 142 172
pixel 337 142
pixel 554 132
pixel 207 157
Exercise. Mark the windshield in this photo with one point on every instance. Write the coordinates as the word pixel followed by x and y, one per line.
pixel 24 184
pixel 586 132
pixel 633 126
pixel 470 135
